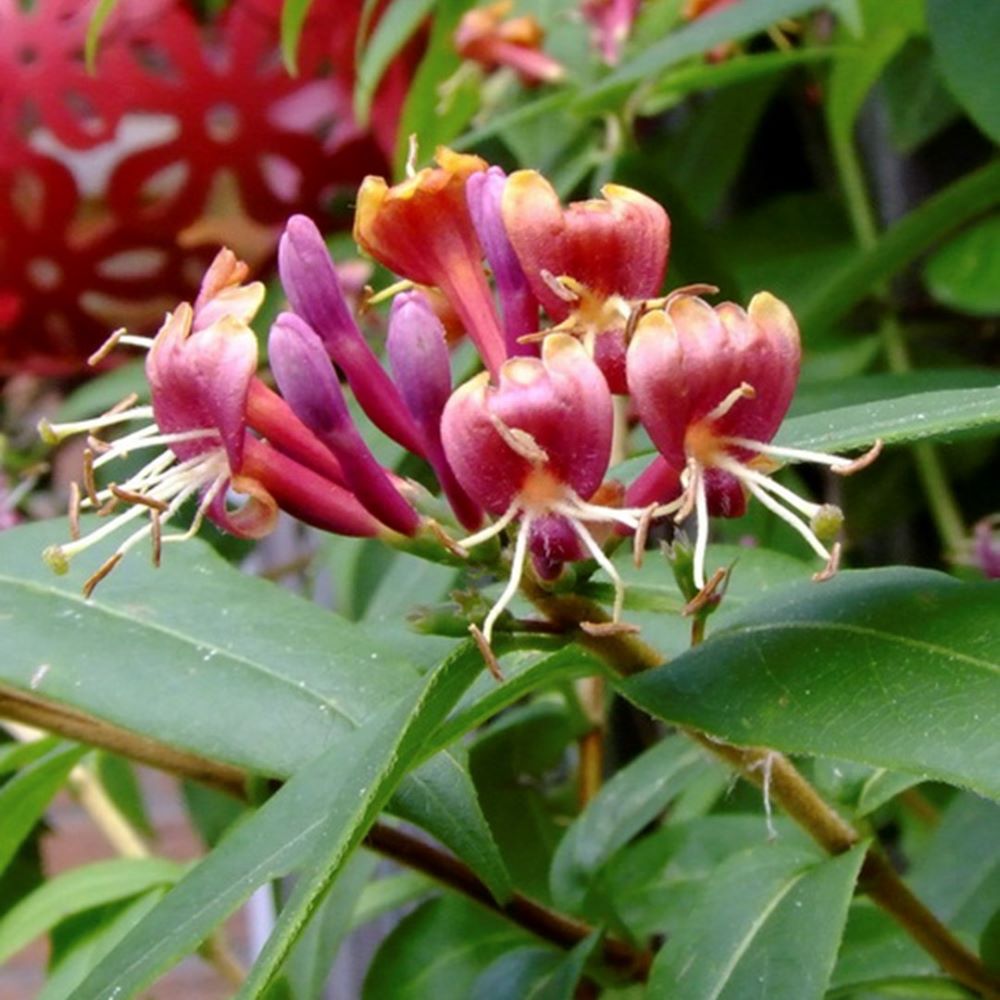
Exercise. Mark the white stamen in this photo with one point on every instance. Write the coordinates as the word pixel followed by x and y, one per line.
pixel 607 565
pixel 54 433
pixel 765 482
pixel 492 530
pixel 792 454
pixel 744 391
pixel 136 341
pixel 135 442
pixel 199 517
pixel 516 572
pixel 701 516
pixel 789 518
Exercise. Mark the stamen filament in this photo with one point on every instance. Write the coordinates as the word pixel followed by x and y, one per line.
pixel 492 530
pixel 126 445
pixel 789 518
pixel 765 482
pixel 54 433
pixel 701 537
pixel 792 454
pixel 743 391
pixel 514 581
pixel 607 565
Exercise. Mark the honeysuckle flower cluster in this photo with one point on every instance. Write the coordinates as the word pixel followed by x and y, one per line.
pixel 566 310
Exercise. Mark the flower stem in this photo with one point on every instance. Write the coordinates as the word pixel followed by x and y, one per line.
pixel 628 655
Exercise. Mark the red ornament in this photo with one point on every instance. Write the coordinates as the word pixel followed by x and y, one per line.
pixel 116 187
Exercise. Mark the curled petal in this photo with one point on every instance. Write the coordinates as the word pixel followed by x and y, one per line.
pixel 614 245
pixel 201 379
pixel 254 518
pixel 422 230
pixel 223 292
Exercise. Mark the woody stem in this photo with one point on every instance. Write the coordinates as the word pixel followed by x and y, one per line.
pixel 628 655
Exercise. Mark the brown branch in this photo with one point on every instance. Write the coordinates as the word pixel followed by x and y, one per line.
pixel 627 655
pixel 550 925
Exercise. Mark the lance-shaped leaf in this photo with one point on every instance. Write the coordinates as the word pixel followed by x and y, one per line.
pixel 322 812
pixel 898 668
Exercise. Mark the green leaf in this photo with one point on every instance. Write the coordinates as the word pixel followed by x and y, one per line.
pixel 896 668
pixel 25 797
pixel 651 885
pixel 293 17
pixel 78 890
pixel 95 933
pixel 957 875
pixel 900 245
pixel 428 114
pixel 441 796
pixel 438 951
pixel 15 755
pixel 881 787
pixel 731 24
pixel 308 966
pixel 964 34
pixel 965 272
pixel 634 797
pixel 389 749
pixel 326 805
pixel 199 648
pixel 387 894
pixel 767 925
pixel 925 416
pixel 535 973
pixel 395 28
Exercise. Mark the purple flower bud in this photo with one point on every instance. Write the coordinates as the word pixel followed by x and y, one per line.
pixel 484 192
pixel 987 547
pixel 421 365
pixel 310 386
pixel 310 281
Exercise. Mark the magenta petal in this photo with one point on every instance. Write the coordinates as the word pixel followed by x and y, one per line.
pixel 200 381
pixel 310 281
pixel 421 365
pixel 308 382
pixel 484 192
pixel 552 544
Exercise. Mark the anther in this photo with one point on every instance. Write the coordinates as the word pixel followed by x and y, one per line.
pixel 98 446
pixel 561 286
pixel 489 657
pixel 106 348
pixel 88 476
pixel 520 441
pixel 74 511
pixel 156 534
pixel 128 496
pixel 707 593
pixel 106 567
pixel 124 404
pixel 862 462
pixel 832 565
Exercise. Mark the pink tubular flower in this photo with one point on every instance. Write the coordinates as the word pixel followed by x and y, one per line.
pixel 489 37
pixel 422 230
pixel 590 263
pixel 711 387
pixel 206 400
pixel 535 447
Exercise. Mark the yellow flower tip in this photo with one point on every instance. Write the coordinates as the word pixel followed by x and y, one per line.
pixel 371 195
pixel 772 314
pixel 462 164
pixel 56 559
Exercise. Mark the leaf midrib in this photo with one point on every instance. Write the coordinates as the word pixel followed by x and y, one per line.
pixel 178 636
